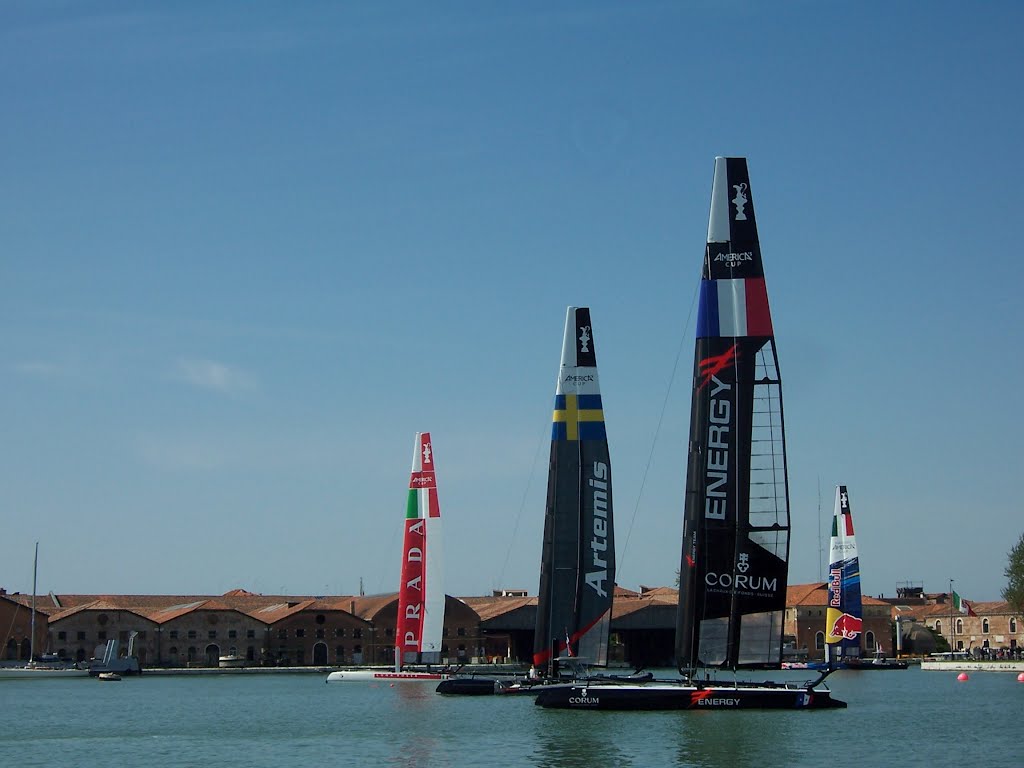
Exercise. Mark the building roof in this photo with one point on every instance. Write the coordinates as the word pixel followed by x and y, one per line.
pixel 816 594
pixel 490 607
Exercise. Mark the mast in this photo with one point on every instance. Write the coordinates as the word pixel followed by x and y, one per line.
pixel 577 575
pixel 952 626
pixel 734 563
pixel 32 621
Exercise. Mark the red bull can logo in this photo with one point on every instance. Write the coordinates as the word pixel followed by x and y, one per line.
pixel 846 627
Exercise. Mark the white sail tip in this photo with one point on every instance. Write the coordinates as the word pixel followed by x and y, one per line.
pixel 718 222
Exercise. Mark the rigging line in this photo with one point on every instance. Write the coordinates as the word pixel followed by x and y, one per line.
pixel 820 549
pixel 522 505
pixel 621 559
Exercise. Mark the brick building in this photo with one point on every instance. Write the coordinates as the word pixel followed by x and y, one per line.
pixel 994 627
pixel 16 622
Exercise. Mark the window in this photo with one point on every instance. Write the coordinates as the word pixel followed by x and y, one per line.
pixel 1013 625
pixel 938 626
pixel 959 626
pixel 320 618
pixel 174 634
pixel 984 626
pixel 81 635
pixel 357 633
pixel 461 632
pixel 819 640
pixel 102 634
pixel 250 634
pixel 300 633
pixel 320 633
pixel 339 632
pixel 212 634
pixel 64 635
pixel 191 634
pixel 389 632
pixel 232 634
pixel 339 653
pixel 869 640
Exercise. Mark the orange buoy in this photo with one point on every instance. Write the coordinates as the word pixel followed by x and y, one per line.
pixel 1020 677
pixel 963 677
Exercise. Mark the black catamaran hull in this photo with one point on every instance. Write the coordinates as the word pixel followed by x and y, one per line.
pixel 489 686
pixel 668 696
pixel 866 664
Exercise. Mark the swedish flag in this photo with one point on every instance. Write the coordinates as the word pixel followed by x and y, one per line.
pixel 578 417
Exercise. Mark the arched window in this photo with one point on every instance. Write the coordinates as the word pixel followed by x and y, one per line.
pixel 959 626
pixel 819 640
pixel 869 640
pixel 1013 625
pixel 938 626
pixel 984 626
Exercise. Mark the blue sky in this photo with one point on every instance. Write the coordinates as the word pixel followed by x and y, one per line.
pixel 248 250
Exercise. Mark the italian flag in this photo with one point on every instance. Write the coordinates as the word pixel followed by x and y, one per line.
pixel 962 606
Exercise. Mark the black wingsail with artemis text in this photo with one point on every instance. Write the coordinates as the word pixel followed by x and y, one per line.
pixel 577 576
pixel 734 568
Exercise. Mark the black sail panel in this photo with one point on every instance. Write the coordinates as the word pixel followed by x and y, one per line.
pixel 734 565
pixel 578 559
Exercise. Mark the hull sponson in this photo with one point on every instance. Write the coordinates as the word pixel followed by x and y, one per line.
pixel 421 593
pixel 844 612
pixel 578 560
pixel 733 569
pixel 665 696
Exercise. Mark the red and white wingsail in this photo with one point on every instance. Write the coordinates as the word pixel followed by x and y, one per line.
pixel 421 592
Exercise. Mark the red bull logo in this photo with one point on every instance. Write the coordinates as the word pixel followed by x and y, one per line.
pixel 846 627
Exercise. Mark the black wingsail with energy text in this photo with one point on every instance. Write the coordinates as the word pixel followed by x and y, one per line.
pixel 577 576
pixel 734 570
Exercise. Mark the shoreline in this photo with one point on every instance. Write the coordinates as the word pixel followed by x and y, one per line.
pixel 966 665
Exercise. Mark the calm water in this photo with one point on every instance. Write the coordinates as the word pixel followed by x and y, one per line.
pixel 910 718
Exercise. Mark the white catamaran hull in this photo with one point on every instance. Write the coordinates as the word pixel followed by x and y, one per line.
pixel 383 676
pixel 41 673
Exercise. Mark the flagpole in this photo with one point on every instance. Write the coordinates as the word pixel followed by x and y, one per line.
pixel 952 630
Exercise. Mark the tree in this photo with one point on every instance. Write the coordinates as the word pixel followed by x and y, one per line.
pixel 1013 593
